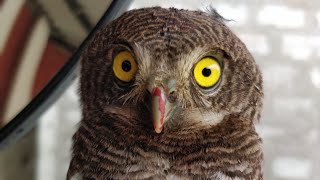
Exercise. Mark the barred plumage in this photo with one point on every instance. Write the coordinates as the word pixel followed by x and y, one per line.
pixel 210 135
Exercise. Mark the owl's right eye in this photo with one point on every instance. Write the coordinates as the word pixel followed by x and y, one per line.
pixel 124 66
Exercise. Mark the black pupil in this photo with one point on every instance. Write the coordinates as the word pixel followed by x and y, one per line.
pixel 206 72
pixel 126 65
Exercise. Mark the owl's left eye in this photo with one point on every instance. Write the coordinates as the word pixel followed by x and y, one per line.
pixel 124 66
pixel 207 72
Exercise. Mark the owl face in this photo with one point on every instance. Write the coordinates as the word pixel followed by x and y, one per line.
pixel 171 69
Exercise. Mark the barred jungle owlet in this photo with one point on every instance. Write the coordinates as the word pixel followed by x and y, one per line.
pixel 168 94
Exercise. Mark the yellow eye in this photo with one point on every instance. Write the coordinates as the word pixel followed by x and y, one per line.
pixel 207 72
pixel 124 66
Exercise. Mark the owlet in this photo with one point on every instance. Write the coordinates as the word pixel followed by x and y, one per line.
pixel 168 94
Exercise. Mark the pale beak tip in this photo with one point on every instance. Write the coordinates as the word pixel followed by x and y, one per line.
pixel 158 130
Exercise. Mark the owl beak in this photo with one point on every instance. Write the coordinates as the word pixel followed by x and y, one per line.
pixel 159 102
pixel 163 101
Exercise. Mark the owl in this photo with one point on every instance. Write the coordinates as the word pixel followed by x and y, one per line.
pixel 168 94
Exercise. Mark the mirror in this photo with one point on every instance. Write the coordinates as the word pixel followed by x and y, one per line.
pixel 39 54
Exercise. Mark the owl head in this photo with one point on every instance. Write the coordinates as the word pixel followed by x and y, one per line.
pixel 170 70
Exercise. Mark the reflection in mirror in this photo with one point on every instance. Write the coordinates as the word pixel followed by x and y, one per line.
pixel 40 45
pixel 36 40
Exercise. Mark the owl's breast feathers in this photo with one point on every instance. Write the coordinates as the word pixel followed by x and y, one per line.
pixel 105 146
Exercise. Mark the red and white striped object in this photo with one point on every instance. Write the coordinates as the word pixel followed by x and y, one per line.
pixel 28 58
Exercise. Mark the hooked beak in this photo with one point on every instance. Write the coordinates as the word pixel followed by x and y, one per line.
pixel 162 109
pixel 159 102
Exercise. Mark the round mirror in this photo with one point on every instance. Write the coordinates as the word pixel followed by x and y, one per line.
pixel 39 49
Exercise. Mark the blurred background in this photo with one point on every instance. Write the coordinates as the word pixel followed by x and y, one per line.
pixel 38 36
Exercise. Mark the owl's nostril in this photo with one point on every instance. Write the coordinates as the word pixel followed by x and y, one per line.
pixel 172 97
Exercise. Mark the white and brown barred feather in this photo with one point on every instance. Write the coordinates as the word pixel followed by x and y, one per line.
pixel 213 135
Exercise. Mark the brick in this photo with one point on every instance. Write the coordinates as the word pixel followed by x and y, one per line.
pixel 281 16
pixel 315 76
pixel 292 167
pixel 256 43
pixel 300 47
